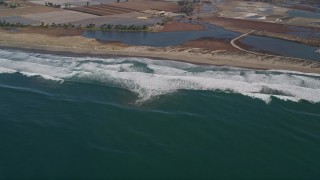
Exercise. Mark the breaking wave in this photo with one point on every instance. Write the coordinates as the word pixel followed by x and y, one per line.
pixel 152 78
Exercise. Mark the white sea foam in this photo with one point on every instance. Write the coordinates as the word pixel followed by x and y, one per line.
pixel 151 78
pixel 6 71
pixel 28 74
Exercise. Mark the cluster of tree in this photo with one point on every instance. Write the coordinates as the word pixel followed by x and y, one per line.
pixel 130 28
pixel 187 9
pixel 49 4
pixel 187 6
pixel 183 3
pixel 110 27
pixel 104 27
pixel 7 24
pixel 119 1
pixel 67 5
pixel 10 5
pixel 186 2
pixel 54 25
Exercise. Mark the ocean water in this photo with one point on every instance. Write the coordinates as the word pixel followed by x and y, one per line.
pixel 125 117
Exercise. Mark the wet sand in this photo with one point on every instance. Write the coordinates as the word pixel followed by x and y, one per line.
pixel 91 47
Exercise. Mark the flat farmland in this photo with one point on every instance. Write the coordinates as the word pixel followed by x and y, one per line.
pixel 298 21
pixel 60 2
pixel 60 17
pixel 21 20
pixel 74 3
pixel 123 19
pixel 118 21
pixel 27 10
pixel 141 5
pixel 103 10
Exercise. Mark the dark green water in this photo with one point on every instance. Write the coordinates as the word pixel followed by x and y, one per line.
pixel 134 118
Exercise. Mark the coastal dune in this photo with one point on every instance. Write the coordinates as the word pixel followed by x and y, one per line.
pixel 87 46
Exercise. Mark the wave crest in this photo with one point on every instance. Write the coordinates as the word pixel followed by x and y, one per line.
pixel 152 78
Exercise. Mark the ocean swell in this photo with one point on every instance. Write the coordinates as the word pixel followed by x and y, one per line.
pixel 152 78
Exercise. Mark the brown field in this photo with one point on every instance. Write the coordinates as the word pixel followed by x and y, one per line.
pixel 141 5
pixel 29 9
pixel 127 7
pixel 63 16
pixel 125 19
pixel 103 10
pixel 54 32
pixel 248 24
pixel 181 26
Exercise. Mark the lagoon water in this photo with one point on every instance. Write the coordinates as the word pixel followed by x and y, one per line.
pixel 125 117
pixel 281 47
pixel 257 43
pixel 303 14
pixel 162 39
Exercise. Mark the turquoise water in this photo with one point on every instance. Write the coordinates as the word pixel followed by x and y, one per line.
pixel 125 117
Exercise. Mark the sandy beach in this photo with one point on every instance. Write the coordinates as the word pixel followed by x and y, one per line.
pixel 221 55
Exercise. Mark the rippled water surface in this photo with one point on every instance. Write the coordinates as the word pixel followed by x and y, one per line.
pixel 126 117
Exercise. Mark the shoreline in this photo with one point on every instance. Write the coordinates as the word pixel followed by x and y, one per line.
pixel 111 55
pixel 80 46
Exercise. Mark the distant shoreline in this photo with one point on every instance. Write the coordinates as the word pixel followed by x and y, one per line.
pixel 80 46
